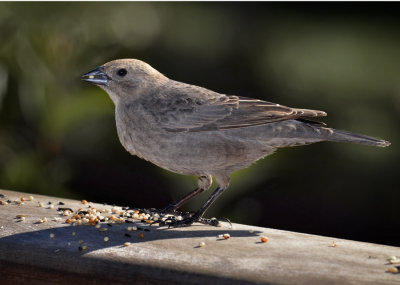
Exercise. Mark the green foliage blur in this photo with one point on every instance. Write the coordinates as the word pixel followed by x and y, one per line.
pixel 58 136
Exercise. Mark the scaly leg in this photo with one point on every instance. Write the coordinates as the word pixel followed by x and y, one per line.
pixel 204 183
pixel 199 214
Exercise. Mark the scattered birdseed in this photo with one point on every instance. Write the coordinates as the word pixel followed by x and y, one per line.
pixel 51 235
pixel 64 209
pixel 103 229
pixel 83 247
pixel 106 239
pixel 20 216
pixel 22 219
pixel 18 202
pixel 3 203
pixel 22 199
pixel 98 226
pixel 84 202
pixel 264 239
pixel 141 235
pixel 127 243
pixel 30 198
pixel 333 244
pixel 251 231
pixel 394 260
pixel 393 270
pixel 201 244
pixel 40 204
pixel 51 206
pixel 80 241
pixel 226 236
pixel 74 233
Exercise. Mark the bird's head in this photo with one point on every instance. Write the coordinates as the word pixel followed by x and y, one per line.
pixel 125 79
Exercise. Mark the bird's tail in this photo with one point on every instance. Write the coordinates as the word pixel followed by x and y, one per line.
pixel 344 136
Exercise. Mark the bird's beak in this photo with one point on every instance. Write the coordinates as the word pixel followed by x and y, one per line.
pixel 97 77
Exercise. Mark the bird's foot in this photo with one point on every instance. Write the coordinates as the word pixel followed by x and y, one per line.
pixel 188 221
pixel 185 222
pixel 216 222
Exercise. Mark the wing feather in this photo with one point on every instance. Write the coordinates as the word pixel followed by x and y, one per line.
pixel 183 107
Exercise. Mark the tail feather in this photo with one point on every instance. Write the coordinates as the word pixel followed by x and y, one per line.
pixel 344 136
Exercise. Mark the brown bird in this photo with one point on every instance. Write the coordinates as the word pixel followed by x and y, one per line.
pixel 191 130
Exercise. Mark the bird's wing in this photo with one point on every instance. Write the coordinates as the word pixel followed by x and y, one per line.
pixel 190 108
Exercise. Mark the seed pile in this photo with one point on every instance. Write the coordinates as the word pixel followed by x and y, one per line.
pixel 103 218
pixel 93 216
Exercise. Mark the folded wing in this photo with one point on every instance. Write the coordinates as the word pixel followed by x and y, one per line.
pixel 188 108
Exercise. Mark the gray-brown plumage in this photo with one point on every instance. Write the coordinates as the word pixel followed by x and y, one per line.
pixel 194 131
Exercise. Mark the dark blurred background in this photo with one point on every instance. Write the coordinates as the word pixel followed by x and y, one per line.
pixel 58 135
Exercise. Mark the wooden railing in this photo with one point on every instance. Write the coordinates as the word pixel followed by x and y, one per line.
pixel 37 246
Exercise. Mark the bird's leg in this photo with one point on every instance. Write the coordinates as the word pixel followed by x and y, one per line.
pixel 171 208
pixel 199 214
pixel 223 182
pixel 204 183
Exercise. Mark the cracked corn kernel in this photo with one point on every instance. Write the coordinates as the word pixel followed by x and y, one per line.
pixel 264 239
pixel 127 243
pixel 22 199
pixel 84 202
pixel 226 236
pixel 393 270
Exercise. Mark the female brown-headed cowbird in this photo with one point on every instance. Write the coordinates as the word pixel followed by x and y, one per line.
pixel 194 131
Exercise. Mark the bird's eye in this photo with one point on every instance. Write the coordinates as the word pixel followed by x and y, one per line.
pixel 122 72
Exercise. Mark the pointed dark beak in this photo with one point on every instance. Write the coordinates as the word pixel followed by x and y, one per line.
pixel 97 77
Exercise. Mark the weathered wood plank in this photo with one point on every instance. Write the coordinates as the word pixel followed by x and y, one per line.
pixel 172 256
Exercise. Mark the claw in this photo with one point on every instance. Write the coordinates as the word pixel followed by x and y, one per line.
pixel 185 222
pixel 215 221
